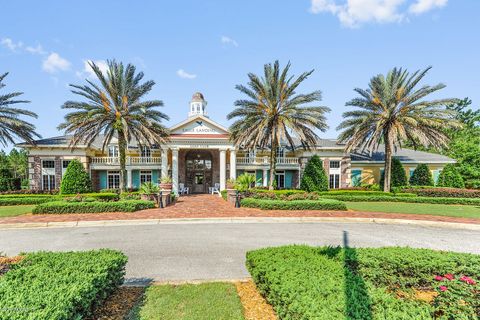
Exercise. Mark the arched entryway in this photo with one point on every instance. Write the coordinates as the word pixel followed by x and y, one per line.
pixel 198 166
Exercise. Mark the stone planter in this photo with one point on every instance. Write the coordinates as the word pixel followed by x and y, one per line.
pixel 231 196
pixel 166 186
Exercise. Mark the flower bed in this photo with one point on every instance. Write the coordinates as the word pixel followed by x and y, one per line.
pixel 62 207
pixel 304 282
pixel 265 204
pixel 60 285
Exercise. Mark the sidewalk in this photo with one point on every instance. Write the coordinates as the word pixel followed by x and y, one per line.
pixel 196 207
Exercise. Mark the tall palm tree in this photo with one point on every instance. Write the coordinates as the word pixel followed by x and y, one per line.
pixel 11 126
pixel 115 109
pixel 273 113
pixel 393 111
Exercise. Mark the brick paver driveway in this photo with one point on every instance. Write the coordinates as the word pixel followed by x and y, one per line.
pixel 212 206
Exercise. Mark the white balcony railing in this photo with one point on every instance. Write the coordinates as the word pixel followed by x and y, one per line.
pixel 115 161
pixel 266 160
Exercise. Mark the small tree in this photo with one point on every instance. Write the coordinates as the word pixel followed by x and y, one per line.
pixel 399 177
pixel 450 177
pixel 314 177
pixel 5 179
pixel 75 179
pixel 422 176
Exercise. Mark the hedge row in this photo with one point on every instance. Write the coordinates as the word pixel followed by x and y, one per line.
pixel 431 200
pixel 323 204
pixel 304 282
pixel 60 285
pixel 4 201
pixel 60 207
pixel 28 199
pixel 444 192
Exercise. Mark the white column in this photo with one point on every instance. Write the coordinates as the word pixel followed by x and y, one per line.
pixel 175 170
pixel 265 177
pixel 164 163
pixel 129 178
pixel 233 164
pixel 223 168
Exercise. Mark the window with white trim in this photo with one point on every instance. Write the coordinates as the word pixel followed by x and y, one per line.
pixel 65 164
pixel 113 179
pixel 145 176
pixel 280 152
pixel 48 182
pixel 334 164
pixel 48 164
pixel 113 151
pixel 280 179
pixel 145 152
pixel 334 181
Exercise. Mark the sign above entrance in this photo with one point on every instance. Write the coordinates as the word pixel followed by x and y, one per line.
pixel 198 125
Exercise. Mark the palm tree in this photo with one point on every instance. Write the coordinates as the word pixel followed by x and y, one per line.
pixel 115 109
pixel 11 126
pixel 393 111
pixel 274 113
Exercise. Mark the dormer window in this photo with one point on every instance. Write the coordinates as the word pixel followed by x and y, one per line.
pixel 145 152
pixel 113 151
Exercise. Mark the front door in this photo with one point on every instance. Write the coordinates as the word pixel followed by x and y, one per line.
pixel 198 170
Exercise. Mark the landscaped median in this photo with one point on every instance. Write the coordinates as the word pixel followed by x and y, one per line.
pixel 267 204
pixel 60 285
pixel 304 282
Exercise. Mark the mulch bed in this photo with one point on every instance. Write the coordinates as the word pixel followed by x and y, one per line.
pixel 255 306
pixel 7 262
pixel 119 304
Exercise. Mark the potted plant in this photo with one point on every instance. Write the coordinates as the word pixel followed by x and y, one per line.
pixel 149 191
pixel 166 183
pixel 231 184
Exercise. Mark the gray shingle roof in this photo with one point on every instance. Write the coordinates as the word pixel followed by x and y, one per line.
pixel 404 155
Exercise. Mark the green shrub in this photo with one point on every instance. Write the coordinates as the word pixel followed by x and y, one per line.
pixel 245 182
pixel 399 177
pixel 432 200
pixel 17 201
pixel 304 282
pixel 7 181
pixel 149 188
pixel 422 176
pixel 224 194
pixel 60 285
pixel 365 193
pixel 60 207
pixel 75 179
pixel 450 177
pixel 314 177
pixel 286 192
pixel 322 204
pixel 445 192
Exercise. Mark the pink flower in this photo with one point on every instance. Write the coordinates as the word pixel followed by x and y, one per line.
pixel 438 278
pixel 449 276
pixel 443 288
pixel 467 280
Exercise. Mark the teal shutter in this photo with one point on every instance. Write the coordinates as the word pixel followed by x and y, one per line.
pixel 259 177
pixel 356 177
pixel 411 171
pixel 103 179
pixel 436 174
pixel 288 179
pixel 135 179
pixel 155 176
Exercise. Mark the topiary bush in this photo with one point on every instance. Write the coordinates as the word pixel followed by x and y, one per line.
pixel 450 177
pixel 422 176
pixel 75 179
pixel 399 177
pixel 314 177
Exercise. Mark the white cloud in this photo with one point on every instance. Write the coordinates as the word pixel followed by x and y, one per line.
pixel 353 13
pixel 10 44
pixel 421 6
pixel 88 71
pixel 54 63
pixel 185 75
pixel 228 40
pixel 35 50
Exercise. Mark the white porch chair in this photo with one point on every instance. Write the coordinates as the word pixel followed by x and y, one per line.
pixel 215 189
pixel 183 189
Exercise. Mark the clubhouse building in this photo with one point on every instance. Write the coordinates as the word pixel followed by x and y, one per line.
pixel 200 156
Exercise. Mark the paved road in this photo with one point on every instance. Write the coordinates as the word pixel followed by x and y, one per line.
pixel 217 251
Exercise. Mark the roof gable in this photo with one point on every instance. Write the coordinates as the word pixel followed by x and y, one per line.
pixel 198 125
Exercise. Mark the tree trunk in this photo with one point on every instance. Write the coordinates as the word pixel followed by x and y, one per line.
pixel 388 165
pixel 122 146
pixel 273 162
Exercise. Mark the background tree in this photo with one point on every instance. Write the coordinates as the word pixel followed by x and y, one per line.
pixel 422 176
pixel 314 177
pixel 393 111
pixel 273 113
pixel 115 108
pixel 399 176
pixel 450 177
pixel 6 180
pixel 11 126
pixel 76 179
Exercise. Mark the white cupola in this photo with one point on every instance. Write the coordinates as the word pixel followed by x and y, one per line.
pixel 198 105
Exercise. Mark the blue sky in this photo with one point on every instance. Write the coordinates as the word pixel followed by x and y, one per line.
pixel 210 46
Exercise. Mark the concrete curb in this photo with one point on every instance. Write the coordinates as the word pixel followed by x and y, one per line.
pixel 112 223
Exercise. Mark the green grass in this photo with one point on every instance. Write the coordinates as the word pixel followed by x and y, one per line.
pixel 417 208
pixel 207 301
pixel 12 211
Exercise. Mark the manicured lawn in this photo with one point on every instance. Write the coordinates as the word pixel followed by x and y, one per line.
pixel 11 211
pixel 207 301
pixel 417 208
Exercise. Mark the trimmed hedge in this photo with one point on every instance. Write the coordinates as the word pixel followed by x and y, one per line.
pixel 76 179
pixel 61 207
pixel 422 176
pixel 314 177
pixel 445 192
pixel 302 282
pixel 367 193
pixel 15 201
pixel 29 199
pixel 60 285
pixel 450 177
pixel 439 200
pixel 322 204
